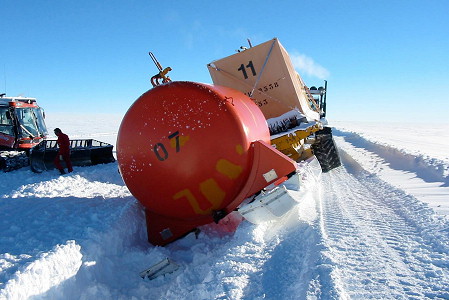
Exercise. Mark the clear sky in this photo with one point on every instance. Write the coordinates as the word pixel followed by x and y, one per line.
pixel 386 60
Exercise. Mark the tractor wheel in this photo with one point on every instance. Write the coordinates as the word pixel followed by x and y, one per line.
pixel 325 150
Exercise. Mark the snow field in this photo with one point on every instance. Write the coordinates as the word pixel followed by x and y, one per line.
pixel 370 231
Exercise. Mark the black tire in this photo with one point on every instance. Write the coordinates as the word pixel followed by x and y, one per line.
pixel 325 150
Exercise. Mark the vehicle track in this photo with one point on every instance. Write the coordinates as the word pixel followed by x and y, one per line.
pixel 377 241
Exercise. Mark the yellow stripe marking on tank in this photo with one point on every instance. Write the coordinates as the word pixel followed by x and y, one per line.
pixel 213 193
pixel 210 189
pixel 192 201
pixel 239 149
pixel 228 169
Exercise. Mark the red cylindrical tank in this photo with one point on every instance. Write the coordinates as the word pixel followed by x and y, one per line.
pixel 183 147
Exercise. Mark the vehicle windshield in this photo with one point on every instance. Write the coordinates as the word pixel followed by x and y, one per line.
pixel 31 121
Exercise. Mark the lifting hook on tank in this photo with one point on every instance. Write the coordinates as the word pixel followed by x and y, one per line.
pixel 162 75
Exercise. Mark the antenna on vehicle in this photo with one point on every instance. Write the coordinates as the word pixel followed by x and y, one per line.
pixel 324 100
pixel 4 76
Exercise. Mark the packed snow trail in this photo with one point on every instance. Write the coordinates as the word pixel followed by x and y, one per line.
pixel 380 239
pixel 411 170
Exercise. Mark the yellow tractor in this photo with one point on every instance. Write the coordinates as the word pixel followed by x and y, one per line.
pixel 295 114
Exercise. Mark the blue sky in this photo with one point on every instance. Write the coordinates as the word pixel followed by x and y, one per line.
pixel 384 60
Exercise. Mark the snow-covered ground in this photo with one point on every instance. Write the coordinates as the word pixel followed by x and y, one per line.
pixel 377 228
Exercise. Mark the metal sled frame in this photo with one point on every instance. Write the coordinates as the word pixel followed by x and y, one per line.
pixel 83 152
pixel 273 204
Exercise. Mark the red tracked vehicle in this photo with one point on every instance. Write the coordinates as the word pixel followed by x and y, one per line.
pixel 23 140
pixel 22 127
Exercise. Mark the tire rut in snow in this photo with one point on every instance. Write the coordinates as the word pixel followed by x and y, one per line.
pixel 374 239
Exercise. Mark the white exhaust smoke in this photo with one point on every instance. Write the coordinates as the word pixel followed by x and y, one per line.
pixel 307 65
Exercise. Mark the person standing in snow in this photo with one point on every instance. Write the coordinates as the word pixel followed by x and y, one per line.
pixel 64 152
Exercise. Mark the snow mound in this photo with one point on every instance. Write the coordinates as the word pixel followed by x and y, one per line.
pixel 426 167
pixel 49 270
